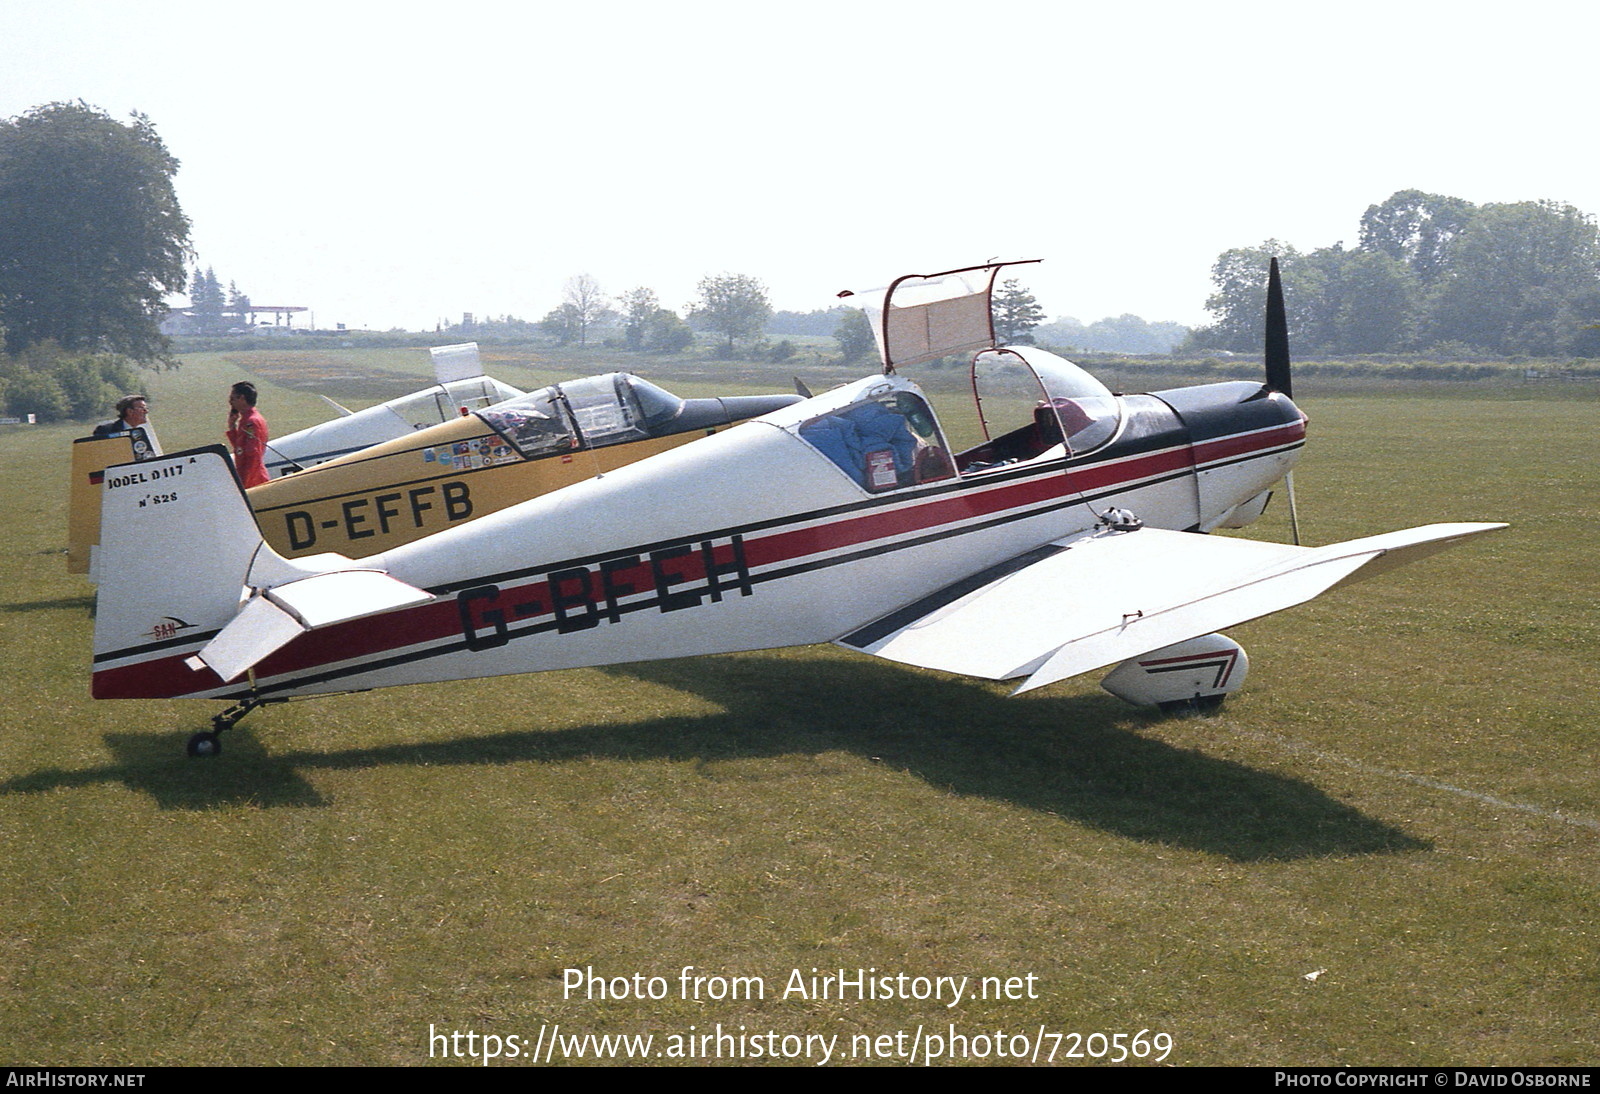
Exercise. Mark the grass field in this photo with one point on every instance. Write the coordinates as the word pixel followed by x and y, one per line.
pixel 1383 851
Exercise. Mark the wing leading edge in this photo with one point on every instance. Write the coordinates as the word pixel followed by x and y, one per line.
pixel 1101 597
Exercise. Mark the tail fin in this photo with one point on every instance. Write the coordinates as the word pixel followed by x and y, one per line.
pixel 177 540
pixel 191 597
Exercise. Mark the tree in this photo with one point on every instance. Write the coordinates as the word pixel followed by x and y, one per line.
pixel 819 323
pixel 563 321
pixel 1379 307
pixel 1521 279
pixel 50 383
pixel 239 305
pixel 734 306
pixel 1015 313
pixel 1065 333
pixel 650 328
pixel 666 332
pixel 206 302
pixel 1129 333
pixel 1417 229
pixel 638 306
pixel 92 238
pixel 854 334
pixel 586 305
pixel 1240 276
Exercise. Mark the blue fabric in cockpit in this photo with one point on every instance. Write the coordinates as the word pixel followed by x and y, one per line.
pixel 846 438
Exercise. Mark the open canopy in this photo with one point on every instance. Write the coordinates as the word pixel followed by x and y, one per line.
pixel 921 317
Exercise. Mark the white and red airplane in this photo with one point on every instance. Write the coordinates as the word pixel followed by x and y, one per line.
pixel 1063 543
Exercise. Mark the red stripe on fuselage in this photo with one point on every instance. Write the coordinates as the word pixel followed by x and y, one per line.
pixel 440 620
pixel 1240 444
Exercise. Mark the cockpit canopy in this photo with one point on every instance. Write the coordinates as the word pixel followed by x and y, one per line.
pixel 1024 386
pixel 1033 406
pixel 613 408
pixel 443 402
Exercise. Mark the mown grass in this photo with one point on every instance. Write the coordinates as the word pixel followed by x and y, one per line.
pixel 1403 797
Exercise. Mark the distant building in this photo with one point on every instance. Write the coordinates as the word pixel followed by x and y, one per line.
pixel 183 321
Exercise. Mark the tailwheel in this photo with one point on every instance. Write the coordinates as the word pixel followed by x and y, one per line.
pixel 205 744
pixel 209 742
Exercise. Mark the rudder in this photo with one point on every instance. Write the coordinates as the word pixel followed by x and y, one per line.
pixel 177 542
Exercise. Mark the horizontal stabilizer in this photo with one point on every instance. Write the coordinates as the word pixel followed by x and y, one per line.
pixel 260 628
pixel 343 412
pixel 1099 598
pixel 274 617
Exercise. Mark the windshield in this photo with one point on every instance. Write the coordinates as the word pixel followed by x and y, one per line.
pixel 606 410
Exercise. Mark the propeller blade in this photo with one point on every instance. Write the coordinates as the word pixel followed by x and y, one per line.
pixel 1277 358
pixel 1277 349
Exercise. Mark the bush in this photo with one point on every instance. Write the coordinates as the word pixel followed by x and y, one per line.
pixel 52 385
pixel 665 332
pixel 38 393
pixel 93 383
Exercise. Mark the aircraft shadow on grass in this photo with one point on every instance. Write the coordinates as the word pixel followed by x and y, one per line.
pixel 1069 757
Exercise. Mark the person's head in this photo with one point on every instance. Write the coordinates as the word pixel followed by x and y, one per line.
pixel 243 396
pixel 133 409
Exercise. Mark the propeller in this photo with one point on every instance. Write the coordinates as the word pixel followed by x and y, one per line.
pixel 1277 349
pixel 1277 359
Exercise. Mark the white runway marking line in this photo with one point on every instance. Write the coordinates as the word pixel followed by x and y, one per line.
pixel 1432 784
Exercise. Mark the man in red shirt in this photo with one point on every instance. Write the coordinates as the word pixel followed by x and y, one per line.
pixel 247 434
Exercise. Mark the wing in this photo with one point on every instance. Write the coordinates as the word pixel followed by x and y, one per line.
pixel 1102 597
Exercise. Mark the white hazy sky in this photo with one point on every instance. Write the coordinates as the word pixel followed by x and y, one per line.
pixel 393 164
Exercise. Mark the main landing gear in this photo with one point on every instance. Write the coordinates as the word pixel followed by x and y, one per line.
pixel 209 742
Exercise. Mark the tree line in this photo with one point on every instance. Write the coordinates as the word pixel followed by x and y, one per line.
pixel 735 309
pixel 1430 272
pixel 732 307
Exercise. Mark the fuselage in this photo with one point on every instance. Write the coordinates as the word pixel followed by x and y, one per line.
pixel 797 527
pixel 396 418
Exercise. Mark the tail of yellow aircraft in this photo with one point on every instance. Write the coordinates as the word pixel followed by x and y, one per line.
pixel 90 458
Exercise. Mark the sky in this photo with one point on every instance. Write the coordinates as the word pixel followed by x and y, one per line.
pixel 396 164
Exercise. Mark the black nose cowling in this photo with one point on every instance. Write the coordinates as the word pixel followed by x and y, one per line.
pixel 1213 411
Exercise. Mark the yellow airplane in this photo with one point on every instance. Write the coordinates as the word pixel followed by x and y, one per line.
pixel 436 478
pixel 460 386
